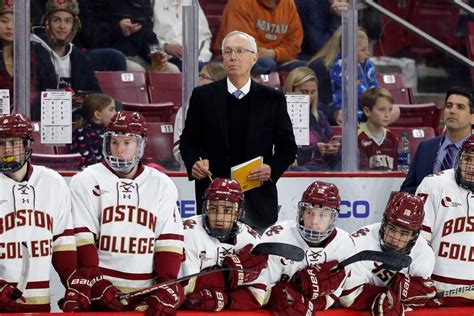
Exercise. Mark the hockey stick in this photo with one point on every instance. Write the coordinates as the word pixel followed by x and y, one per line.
pixel 456 291
pixel 25 271
pixel 287 251
pixel 391 260
pixel 154 287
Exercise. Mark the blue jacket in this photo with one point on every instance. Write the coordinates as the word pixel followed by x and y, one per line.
pixel 365 79
pixel 319 23
pixel 422 164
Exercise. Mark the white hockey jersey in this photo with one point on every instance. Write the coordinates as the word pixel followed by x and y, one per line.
pixel 128 221
pixel 449 228
pixel 37 211
pixel 370 272
pixel 203 251
pixel 338 246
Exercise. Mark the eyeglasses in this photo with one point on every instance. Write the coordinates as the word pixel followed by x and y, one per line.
pixel 239 51
pixel 204 77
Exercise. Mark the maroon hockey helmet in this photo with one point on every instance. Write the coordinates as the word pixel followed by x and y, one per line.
pixel 464 163
pixel 224 189
pixel 404 211
pixel 219 191
pixel 15 125
pixel 131 124
pixel 128 123
pixel 321 196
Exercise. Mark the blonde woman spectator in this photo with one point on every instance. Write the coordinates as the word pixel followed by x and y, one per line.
pixel 322 153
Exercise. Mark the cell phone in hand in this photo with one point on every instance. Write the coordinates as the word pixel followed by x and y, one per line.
pixel 336 139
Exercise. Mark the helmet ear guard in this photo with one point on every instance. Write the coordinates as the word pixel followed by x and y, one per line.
pixel 219 193
pixel 404 211
pixel 320 195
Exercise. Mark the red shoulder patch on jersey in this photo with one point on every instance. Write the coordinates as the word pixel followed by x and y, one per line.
pixel 274 230
pixel 360 232
pixel 189 223
pixel 252 232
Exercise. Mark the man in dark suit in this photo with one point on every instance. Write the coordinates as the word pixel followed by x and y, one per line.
pixel 234 120
pixel 437 154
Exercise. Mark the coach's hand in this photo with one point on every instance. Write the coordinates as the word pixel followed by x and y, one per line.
pixel 163 301
pixel 244 260
pixel 201 169
pixel 207 300
pixel 314 282
pixel 414 291
pixel 7 304
pixel 387 304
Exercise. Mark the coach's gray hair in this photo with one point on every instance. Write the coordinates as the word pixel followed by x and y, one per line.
pixel 248 38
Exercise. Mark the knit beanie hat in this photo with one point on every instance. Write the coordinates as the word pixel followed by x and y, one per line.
pixel 70 6
pixel 6 6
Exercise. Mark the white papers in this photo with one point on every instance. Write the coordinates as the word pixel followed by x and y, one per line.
pixel 56 117
pixel 4 101
pixel 298 109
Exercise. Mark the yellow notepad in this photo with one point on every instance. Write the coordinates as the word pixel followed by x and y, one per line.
pixel 241 173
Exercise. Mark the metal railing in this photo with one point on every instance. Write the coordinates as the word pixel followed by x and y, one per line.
pixel 422 34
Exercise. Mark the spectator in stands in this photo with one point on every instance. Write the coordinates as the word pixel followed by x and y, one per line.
pixel 257 71
pixel 431 154
pixel 275 25
pixel 378 147
pixel 320 19
pixel 61 65
pixel 365 75
pixel 321 154
pixel 213 71
pixel 127 26
pixel 101 59
pixel 6 50
pixel 97 111
pixel 321 64
pixel 234 120
pixel 168 27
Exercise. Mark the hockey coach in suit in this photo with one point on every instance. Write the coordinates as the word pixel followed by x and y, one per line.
pixel 234 120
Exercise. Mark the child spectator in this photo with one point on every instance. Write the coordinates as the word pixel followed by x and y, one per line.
pixel 365 78
pixel 365 74
pixel 378 147
pixel 87 139
pixel 321 153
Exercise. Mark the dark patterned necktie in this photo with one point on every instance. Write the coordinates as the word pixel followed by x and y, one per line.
pixel 448 160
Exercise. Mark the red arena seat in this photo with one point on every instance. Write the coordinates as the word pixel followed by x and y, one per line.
pixel 418 115
pixel 153 112
pixel 124 86
pixel 159 143
pixel 165 87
